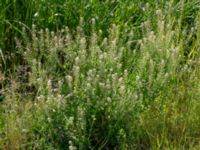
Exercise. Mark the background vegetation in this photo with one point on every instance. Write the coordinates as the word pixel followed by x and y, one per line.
pixel 99 74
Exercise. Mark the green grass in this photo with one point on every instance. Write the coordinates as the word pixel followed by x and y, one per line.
pixel 99 74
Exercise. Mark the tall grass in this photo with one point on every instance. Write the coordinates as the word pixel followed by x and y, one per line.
pixel 54 14
pixel 107 80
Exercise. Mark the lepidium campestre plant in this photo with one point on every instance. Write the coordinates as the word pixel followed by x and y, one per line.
pixel 165 76
pixel 161 55
pixel 81 87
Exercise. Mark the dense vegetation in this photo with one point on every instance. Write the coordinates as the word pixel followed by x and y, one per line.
pixel 99 74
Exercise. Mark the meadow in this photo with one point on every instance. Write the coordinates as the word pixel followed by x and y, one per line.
pixel 100 74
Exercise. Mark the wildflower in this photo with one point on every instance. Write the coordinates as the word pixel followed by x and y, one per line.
pixel 88 86
pixel 49 119
pixel 137 78
pixel 97 76
pixel 135 96
pixel 122 89
pixel 49 84
pixel 24 130
pixel 108 86
pixel 59 97
pixel 119 66
pixel 71 120
pixel 41 97
pixel 105 42
pixel 158 12
pixel 167 75
pixel 114 43
pixel 115 59
pixel 105 55
pixel 109 100
pixel 125 74
pixel 120 80
pixel 162 63
pixel 93 21
pixel 59 83
pixel 52 33
pixel 77 60
pixel 143 8
pixel 114 76
pixel 83 43
pixel 93 117
pixel 101 57
pixel 69 78
pixel 71 147
pixel 76 70
pixel 33 26
pixel 102 85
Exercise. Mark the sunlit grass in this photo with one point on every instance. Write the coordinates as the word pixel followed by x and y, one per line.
pixel 99 75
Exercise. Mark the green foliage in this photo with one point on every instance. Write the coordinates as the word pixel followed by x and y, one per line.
pixel 87 107
pixel 99 74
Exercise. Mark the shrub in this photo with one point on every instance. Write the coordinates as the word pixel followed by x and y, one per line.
pixel 81 90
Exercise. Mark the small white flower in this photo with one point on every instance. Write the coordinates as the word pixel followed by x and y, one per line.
pixel 24 130
pixel 90 72
pixel 158 12
pixel 69 78
pixel 144 8
pixel 102 85
pixel 71 147
pixel 125 74
pixel 49 119
pixel 77 60
pixel 120 80
pixel 101 57
pixel 122 89
pixel 137 78
pixel 76 69
pixel 88 86
pixel 119 66
pixel 109 100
